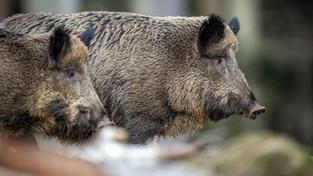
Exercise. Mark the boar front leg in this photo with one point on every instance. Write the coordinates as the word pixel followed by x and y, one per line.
pixel 140 130
pixel 149 124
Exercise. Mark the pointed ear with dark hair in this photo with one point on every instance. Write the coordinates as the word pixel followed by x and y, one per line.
pixel 59 44
pixel 211 31
pixel 234 25
pixel 87 35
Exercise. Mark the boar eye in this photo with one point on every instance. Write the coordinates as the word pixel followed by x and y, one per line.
pixel 70 74
pixel 220 64
pixel 219 61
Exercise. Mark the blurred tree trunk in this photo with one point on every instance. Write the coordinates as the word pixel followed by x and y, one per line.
pixel 287 33
pixel 9 7
pixel 4 8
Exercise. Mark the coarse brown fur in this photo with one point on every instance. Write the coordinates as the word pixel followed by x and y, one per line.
pixel 45 86
pixel 157 75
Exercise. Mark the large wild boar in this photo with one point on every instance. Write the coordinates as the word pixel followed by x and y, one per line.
pixel 158 75
pixel 46 88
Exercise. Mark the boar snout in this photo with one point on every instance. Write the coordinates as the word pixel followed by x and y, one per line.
pixel 95 111
pixel 99 113
pixel 255 110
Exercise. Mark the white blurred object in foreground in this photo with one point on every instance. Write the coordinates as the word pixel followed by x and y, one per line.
pixel 110 144
pixel 109 151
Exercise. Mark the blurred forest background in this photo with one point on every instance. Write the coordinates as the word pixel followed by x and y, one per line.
pixel 276 51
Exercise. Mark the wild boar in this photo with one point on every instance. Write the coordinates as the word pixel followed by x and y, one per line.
pixel 158 75
pixel 45 86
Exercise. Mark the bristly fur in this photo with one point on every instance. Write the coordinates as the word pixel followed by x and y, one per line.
pixel 58 109
pixel 20 123
pixel 59 42
pixel 211 31
pixel 5 33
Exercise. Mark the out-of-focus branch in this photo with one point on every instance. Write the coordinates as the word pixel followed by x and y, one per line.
pixel 27 159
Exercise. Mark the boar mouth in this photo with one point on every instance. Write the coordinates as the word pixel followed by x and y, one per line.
pixel 77 131
pixel 252 114
pixel 217 115
pixel 224 112
pixel 247 115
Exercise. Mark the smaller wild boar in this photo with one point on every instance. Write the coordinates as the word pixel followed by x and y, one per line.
pixel 45 86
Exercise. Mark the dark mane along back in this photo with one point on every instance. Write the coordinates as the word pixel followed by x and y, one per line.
pixel 4 33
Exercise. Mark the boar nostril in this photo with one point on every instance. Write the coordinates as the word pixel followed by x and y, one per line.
pixel 257 109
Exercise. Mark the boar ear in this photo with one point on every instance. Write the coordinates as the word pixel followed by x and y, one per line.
pixel 58 46
pixel 234 25
pixel 211 31
pixel 87 35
